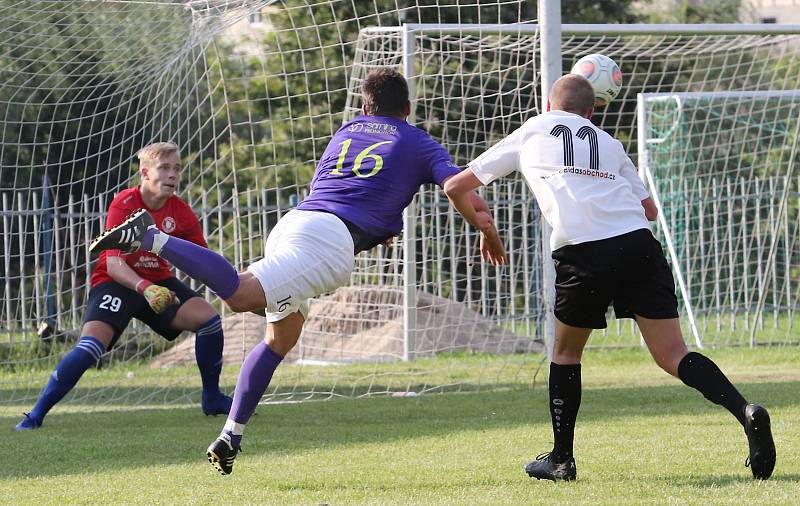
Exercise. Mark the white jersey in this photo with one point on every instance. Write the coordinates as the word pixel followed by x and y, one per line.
pixel 585 184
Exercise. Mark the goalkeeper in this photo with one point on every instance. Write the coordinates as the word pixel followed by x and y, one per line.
pixel 604 253
pixel 141 285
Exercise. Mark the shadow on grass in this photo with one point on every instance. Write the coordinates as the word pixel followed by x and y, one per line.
pixel 718 481
pixel 72 443
pixel 116 396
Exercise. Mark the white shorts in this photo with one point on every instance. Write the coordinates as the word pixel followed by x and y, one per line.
pixel 308 253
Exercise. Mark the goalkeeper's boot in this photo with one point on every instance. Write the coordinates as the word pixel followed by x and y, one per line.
pixel 221 454
pixel 759 437
pixel 28 423
pixel 216 405
pixel 127 236
pixel 546 468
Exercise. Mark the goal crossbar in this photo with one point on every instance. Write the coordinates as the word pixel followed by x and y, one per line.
pixel 592 29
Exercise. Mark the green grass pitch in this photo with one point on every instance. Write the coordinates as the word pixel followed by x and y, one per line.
pixel 642 438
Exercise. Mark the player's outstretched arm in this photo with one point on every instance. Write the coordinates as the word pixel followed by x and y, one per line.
pixel 459 189
pixel 492 249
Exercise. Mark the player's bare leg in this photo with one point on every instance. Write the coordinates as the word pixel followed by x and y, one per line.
pixel 569 343
pixel 665 342
pixel 282 335
pixel 664 339
pixel 565 400
pixel 101 331
pixel 249 296
pixel 254 378
pixel 95 338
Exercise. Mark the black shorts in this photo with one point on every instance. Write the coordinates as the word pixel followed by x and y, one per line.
pixel 112 303
pixel 628 270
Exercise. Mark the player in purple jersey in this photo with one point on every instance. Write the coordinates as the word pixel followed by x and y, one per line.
pixel 352 182
pixel 370 171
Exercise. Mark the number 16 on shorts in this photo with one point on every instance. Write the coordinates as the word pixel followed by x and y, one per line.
pixel 284 303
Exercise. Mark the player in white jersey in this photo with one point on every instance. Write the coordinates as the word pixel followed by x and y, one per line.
pixel 604 253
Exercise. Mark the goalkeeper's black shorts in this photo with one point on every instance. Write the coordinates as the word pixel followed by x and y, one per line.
pixel 112 303
pixel 628 271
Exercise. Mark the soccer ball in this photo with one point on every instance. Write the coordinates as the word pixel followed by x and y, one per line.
pixel 603 73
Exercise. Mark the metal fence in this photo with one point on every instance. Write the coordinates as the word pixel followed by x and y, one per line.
pixel 722 244
pixel 47 267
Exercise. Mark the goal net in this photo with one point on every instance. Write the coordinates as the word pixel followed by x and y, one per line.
pixel 474 85
pixel 723 164
pixel 253 91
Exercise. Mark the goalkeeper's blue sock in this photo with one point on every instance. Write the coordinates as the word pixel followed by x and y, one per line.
pixel 208 344
pixel 254 378
pixel 202 264
pixel 67 373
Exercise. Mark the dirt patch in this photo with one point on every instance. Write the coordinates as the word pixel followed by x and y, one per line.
pixel 365 323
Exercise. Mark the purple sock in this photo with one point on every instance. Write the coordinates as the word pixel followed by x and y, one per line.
pixel 202 264
pixel 254 378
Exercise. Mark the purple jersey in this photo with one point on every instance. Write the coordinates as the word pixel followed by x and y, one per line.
pixel 372 168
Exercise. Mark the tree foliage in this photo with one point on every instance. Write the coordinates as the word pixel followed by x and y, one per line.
pixel 79 92
pixel 74 81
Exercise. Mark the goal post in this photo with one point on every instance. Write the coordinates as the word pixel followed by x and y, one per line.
pixel 646 175
pixel 551 69
pixel 409 219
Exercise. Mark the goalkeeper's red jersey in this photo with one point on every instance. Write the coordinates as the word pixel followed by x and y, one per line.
pixel 175 218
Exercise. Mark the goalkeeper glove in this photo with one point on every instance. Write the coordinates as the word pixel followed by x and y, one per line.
pixel 158 297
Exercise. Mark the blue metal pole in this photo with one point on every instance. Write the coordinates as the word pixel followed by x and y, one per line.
pixel 47 232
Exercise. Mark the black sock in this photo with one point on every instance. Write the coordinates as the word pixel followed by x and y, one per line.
pixel 702 374
pixel 565 399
